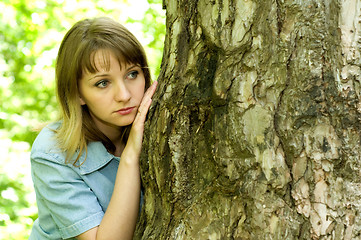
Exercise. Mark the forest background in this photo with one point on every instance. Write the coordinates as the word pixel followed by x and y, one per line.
pixel 30 34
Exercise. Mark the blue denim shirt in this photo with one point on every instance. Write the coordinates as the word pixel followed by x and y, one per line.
pixel 71 200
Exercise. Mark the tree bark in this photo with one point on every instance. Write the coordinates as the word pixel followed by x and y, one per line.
pixel 255 129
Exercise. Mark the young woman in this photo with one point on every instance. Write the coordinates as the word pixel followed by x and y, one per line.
pixel 85 167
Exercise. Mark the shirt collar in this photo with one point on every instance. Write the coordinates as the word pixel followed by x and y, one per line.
pixel 97 156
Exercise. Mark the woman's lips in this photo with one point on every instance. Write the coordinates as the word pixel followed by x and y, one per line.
pixel 125 111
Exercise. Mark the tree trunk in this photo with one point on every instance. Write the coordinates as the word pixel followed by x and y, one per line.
pixel 255 129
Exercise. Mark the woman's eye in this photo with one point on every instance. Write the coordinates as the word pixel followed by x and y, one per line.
pixel 132 74
pixel 102 83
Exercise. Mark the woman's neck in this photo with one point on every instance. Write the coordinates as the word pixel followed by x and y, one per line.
pixel 116 138
pixel 119 147
pixel 114 133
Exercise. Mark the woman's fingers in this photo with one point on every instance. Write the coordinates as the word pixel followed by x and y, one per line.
pixel 145 104
pixel 147 100
pixel 151 90
pixel 134 142
pixel 143 110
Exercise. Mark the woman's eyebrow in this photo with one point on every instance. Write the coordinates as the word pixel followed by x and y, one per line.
pixel 131 66
pixel 98 75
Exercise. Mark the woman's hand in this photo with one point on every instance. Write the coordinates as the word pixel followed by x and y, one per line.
pixel 135 139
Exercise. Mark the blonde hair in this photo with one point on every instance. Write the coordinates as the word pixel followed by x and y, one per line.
pixel 76 55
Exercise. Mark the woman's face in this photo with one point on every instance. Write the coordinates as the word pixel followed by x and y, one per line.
pixel 112 96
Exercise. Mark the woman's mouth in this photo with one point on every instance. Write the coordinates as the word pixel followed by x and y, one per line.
pixel 125 111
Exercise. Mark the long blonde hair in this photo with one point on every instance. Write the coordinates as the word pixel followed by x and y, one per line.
pixel 76 55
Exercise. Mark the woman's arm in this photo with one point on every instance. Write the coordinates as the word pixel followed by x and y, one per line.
pixel 121 215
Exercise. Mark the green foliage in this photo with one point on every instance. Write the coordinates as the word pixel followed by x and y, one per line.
pixel 153 29
pixel 17 208
pixel 30 34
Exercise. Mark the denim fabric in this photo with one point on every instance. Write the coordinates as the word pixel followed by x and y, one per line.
pixel 70 199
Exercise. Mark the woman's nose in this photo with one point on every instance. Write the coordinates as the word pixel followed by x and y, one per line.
pixel 122 93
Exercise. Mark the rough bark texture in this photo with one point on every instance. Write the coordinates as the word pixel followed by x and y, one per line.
pixel 255 129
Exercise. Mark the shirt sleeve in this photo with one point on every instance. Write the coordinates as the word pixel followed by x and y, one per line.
pixel 65 196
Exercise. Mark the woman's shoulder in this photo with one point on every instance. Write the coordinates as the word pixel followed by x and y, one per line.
pixel 46 144
pixel 47 136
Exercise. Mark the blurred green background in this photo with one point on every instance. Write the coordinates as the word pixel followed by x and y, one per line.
pixel 30 34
